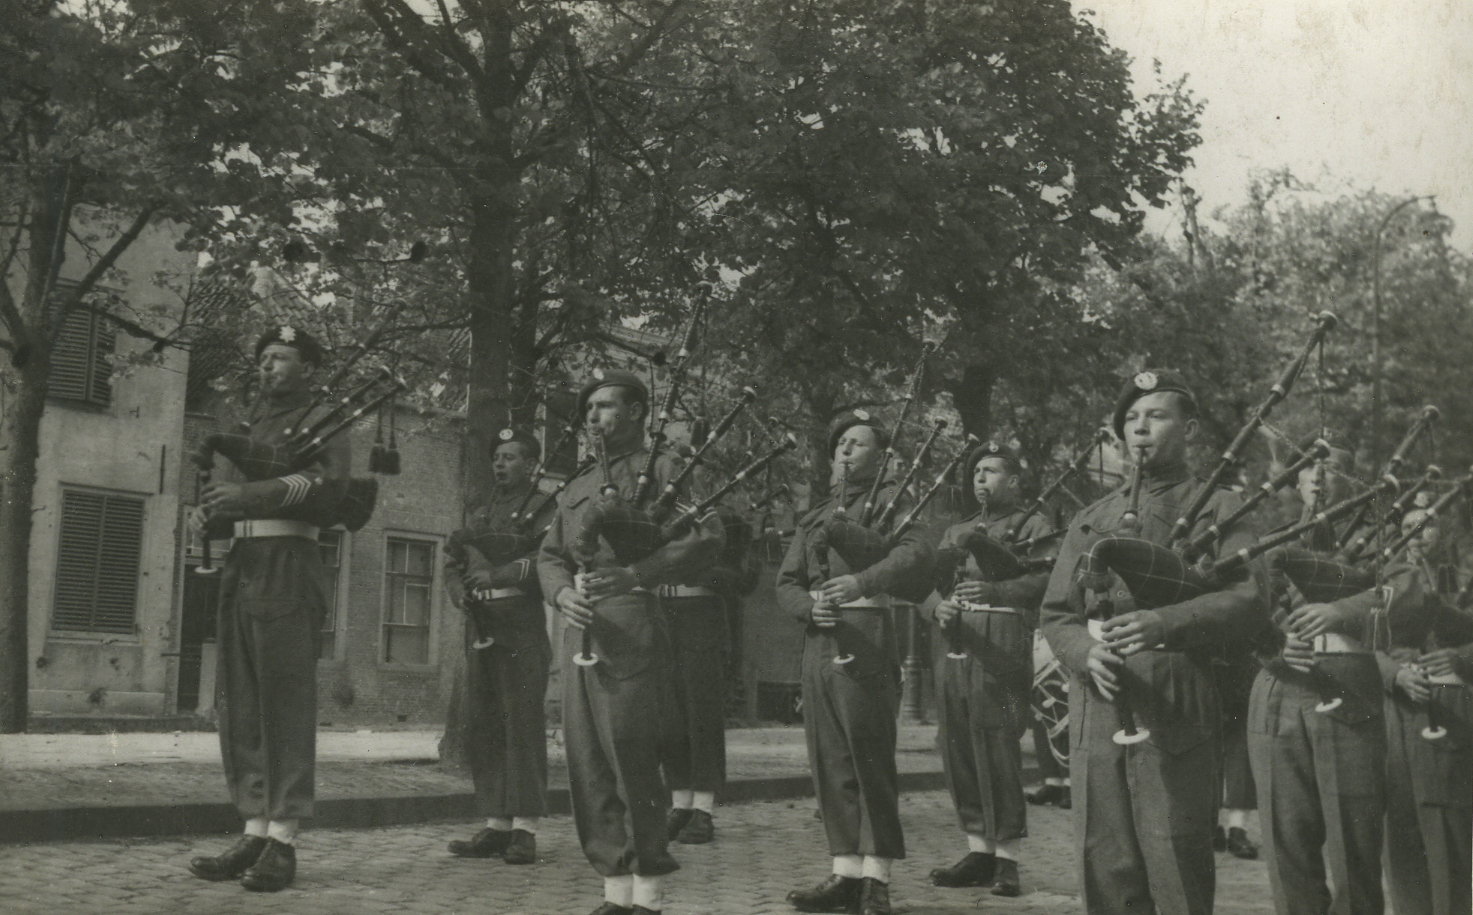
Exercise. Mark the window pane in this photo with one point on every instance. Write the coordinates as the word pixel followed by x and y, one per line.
pixel 409 580
pixel 421 555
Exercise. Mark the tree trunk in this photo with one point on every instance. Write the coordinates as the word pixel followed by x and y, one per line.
pixel 20 434
pixel 821 408
pixel 972 396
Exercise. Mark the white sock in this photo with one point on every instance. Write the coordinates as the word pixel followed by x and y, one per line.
pixel 877 868
pixel 1237 819
pixel 500 824
pixel 1007 849
pixel 256 826
pixel 1066 782
pixel 619 890
pixel 849 866
pixel 981 844
pixel 704 800
pixel 1060 782
pixel 283 831
pixel 525 824
pixel 647 893
pixel 682 798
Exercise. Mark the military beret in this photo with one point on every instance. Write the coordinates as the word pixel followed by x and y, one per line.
pixel 534 447
pixel 852 418
pixel 299 340
pixel 1153 381
pixel 612 378
pixel 987 450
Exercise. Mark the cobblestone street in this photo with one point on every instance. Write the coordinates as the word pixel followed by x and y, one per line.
pixel 762 851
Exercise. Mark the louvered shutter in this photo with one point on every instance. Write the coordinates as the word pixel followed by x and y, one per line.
pixel 79 364
pixel 97 563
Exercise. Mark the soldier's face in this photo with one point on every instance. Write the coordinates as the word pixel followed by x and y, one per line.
pixel 281 371
pixel 611 413
pixel 511 464
pixel 1320 485
pixel 860 449
pixel 994 484
pixel 1157 429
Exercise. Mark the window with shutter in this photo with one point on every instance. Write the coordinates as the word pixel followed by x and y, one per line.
pixel 97 562
pixel 331 544
pixel 80 372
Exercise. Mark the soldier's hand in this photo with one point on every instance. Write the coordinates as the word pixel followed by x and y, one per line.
pixel 478 580
pixel 946 611
pixel 1135 631
pixel 823 614
pixel 1102 666
pixel 1311 620
pixel 198 521
pixel 1298 653
pixel 223 499
pixel 576 609
pixel 610 582
pixel 977 592
pixel 841 590
pixel 1413 681
pixel 1439 663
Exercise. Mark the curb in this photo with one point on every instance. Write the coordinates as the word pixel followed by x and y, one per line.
pixel 67 824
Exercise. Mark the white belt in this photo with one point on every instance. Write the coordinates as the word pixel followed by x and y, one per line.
pixel 1334 643
pixel 878 602
pixel 274 527
pixel 499 593
pixel 687 591
pixel 985 608
pixel 1447 680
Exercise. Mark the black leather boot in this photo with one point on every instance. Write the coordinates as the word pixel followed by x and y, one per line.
pixel 675 821
pixel 231 863
pixel 698 830
pixel 522 849
pixel 874 897
pixel 976 869
pixel 274 870
pixel 1240 846
pixel 836 894
pixel 488 843
pixel 1007 882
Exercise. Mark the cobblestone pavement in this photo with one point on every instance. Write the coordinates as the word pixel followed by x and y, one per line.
pixel 762 851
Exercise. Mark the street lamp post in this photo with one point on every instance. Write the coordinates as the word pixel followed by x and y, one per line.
pixel 1376 328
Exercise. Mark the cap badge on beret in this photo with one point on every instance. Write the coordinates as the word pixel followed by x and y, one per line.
pixel 862 415
pixel 993 447
pixel 287 333
pixel 505 435
pixel 1147 381
pixel 598 374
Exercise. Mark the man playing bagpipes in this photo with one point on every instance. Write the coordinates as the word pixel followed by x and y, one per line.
pixel 983 664
pixel 491 570
pixel 850 668
pixel 1426 669
pixel 272 603
pixel 1145 809
pixel 612 701
pixel 698 610
pixel 1318 761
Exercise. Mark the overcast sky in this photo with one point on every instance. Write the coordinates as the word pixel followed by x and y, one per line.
pixel 1375 92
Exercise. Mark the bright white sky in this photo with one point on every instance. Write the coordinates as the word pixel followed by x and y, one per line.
pixel 1372 92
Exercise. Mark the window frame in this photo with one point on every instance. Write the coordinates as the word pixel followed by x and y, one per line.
pixel 97 381
pixel 432 624
pixel 333 651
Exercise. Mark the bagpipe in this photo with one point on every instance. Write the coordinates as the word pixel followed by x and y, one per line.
pixel 508 544
pixel 633 526
pixel 1007 558
pixel 1160 576
pixel 257 460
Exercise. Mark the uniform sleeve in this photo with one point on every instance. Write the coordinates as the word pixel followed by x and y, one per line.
pixel 1354 612
pixel 307 494
pixel 793 578
pixel 555 563
pixel 1226 615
